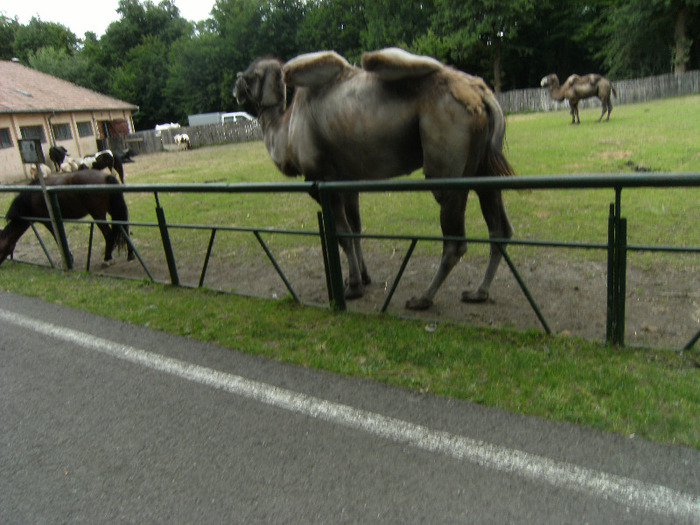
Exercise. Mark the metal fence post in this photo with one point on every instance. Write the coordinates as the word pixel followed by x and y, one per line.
pixel 617 274
pixel 167 247
pixel 610 320
pixel 335 278
pixel 60 233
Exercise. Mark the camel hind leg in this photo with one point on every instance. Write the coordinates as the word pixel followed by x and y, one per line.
pixel 604 103
pixel 499 227
pixel 340 204
pixel 453 205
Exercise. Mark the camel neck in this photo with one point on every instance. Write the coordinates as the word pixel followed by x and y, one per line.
pixel 270 117
pixel 274 121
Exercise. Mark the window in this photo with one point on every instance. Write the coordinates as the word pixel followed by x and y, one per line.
pixel 5 139
pixel 85 129
pixel 33 132
pixel 62 132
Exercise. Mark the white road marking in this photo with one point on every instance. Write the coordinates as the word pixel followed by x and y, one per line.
pixel 647 496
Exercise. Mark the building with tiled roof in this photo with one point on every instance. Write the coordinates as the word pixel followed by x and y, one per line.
pixel 35 105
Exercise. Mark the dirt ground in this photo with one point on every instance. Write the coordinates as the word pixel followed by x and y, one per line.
pixel 663 305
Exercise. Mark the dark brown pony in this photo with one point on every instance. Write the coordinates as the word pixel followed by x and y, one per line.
pixel 73 205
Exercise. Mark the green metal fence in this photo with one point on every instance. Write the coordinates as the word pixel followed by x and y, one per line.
pixel 616 246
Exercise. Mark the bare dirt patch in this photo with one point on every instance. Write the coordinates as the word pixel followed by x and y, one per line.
pixel 663 305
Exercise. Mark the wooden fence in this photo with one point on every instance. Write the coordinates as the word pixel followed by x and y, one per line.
pixel 516 101
pixel 628 92
pixel 151 141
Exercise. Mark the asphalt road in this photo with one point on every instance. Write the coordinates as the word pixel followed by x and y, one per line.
pixel 105 422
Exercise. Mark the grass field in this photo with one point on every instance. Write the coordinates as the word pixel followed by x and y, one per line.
pixel 648 393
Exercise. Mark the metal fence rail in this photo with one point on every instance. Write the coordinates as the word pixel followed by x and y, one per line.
pixel 616 245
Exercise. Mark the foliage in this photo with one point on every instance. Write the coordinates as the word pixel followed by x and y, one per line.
pixel 170 68
pixel 38 34
pixel 331 24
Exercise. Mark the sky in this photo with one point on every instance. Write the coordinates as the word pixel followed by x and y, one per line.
pixel 79 18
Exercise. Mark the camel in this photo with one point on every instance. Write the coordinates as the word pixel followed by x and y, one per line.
pixel 397 113
pixel 577 88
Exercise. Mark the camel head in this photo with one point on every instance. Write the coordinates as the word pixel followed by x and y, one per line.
pixel 261 86
pixel 550 81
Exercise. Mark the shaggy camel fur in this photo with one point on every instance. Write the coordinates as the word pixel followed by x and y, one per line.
pixel 398 113
pixel 577 88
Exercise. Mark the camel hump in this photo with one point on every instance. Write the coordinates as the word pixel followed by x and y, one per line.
pixel 393 64
pixel 314 69
pixel 573 79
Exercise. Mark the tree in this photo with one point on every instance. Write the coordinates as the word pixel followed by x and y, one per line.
pixel 58 63
pixel 8 29
pixel 333 24
pixel 395 22
pixel 195 76
pixel 38 34
pixel 139 21
pixel 141 81
pixel 279 27
pixel 650 37
pixel 476 31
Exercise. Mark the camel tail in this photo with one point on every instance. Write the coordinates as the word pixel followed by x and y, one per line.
pixel 495 162
pixel 613 90
pixel 119 212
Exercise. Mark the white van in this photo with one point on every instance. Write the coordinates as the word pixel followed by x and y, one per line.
pixel 236 116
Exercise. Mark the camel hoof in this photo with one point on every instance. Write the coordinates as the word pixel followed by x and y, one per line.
pixel 107 263
pixel 419 303
pixel 475 297
pixel 354 292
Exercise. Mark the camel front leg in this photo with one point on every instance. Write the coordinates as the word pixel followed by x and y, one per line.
pixel 574 112
pixel 452 208
pixel 499 228
pixel 354 287
pixel 352 213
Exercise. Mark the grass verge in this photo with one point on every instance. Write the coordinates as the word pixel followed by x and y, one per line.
pixel 647 393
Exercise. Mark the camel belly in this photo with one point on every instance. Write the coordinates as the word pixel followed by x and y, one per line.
pixel 363 138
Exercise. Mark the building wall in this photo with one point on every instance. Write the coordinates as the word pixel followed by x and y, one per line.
pixel 85 129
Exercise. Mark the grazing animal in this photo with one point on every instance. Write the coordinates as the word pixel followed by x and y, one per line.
pixel 398 113
pixel 124 155
pixel 183 141
pixel 68 165
pixel 73 205
pixel 100 160
pixel 45 170
pixel 577 88
pixel 57 154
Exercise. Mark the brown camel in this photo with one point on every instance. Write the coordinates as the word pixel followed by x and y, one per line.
pixel 576 88
pixel 398 113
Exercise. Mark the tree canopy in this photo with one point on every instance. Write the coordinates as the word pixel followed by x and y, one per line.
pixel 170 67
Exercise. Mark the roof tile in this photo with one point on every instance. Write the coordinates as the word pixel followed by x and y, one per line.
pixel 23 90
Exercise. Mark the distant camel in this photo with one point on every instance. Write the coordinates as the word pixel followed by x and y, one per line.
pixel 400 112
pixel 576 88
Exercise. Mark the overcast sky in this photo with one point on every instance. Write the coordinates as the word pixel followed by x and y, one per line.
pixel 80 16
